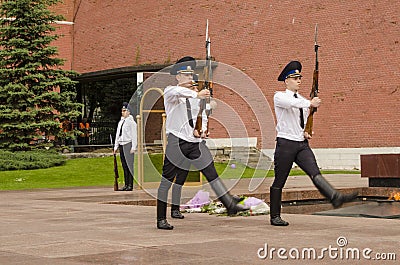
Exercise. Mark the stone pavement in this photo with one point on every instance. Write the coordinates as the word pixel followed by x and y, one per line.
pixel 80 226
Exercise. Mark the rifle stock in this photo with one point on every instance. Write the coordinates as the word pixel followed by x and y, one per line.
pixel 309 124
pixel 199 122
pixel 314 93
pixel 116 175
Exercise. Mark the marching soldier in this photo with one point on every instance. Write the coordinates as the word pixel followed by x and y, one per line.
pixel 193 109
pixel 183 148
pixel 291 110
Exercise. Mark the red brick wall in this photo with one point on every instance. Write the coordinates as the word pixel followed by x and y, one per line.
pixel 359 54
pixel 65 42
pixel 67 8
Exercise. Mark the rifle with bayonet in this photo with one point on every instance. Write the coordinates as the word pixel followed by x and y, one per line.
pixel 116 175
pixel 206 84
pixel 314 88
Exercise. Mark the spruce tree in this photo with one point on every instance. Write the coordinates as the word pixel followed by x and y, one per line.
pixel 35 93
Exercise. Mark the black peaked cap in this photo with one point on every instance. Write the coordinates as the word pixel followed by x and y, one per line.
pixel 290 67
pixel 183 63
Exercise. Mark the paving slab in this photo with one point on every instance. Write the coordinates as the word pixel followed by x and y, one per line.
pixel 93 225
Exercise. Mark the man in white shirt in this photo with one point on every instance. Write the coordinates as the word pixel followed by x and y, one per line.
pixel 126 139
pixel 193 109
pixel 184 148
pixel 291 110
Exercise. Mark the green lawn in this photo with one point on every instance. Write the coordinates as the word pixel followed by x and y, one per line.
pixel 83 172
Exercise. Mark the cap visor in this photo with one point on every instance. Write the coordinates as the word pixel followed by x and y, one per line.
pixel 294 75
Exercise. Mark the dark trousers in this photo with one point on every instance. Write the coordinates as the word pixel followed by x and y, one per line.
pixel 180 179
pixel 287 152
pixel 127 160
pixel 179 155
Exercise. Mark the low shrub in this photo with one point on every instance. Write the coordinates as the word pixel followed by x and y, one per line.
pixel 30 159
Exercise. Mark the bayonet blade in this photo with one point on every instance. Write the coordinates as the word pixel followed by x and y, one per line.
pixel 316 34
pixel 207 31
pixel 316 38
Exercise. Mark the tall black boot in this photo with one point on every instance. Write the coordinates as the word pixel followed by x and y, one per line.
pixel 176 201
pixel 176 212
pixel 125 187
pixel 275 197
pixel 335 197
pixel 162 222
pixel 230 203
pixel 130 182
pixel 162 197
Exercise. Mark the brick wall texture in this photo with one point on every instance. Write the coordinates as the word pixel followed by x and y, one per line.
pixel 359 54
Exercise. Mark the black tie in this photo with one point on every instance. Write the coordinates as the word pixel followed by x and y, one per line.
pixel 189 113
pixel 120 130
pixel 301 115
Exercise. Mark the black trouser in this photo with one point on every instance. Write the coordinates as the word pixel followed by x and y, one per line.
pixel 287 152
pixel 179 155
pixel 180 179
pixel 127 160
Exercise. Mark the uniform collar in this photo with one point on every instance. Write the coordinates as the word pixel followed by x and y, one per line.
pixel 290 92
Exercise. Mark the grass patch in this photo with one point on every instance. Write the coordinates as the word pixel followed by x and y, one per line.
pixel 86 172
pixel 78 172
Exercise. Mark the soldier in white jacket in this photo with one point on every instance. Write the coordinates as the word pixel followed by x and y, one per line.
pixel 291 110
pixel 126 139
pixel 185 147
